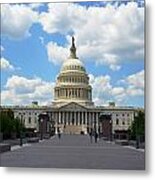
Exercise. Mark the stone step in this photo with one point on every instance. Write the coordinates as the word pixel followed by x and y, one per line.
pixel 71 129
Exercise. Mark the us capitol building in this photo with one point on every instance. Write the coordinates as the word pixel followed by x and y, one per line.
pixel 73 110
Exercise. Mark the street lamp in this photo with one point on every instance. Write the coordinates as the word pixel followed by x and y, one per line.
pixel 21 132
pixel 111 130
pixel 41 128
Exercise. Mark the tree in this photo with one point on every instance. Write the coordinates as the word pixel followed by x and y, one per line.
pixel 9 124
pixel 137 129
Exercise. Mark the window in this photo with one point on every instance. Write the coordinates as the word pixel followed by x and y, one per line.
pixel 117 121
pixel 122 114
pixel 29 120
pixel 123 122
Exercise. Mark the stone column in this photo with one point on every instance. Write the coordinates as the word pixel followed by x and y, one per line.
pixel 59 120
pixel 78 118
pixel 63 117
pixel 74 118
pixel 66 118
pixel 86 118
pixel 82 118
pixel 93 118
pixel 97 125
pixel 71 117
pixel 56 122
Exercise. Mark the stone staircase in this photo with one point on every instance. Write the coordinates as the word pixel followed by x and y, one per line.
pixel 72 129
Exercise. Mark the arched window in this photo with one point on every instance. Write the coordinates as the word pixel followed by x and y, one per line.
pixel 29 120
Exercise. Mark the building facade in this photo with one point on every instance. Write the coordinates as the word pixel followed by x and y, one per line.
pixel 73 110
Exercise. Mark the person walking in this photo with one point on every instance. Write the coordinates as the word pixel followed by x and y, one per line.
pixel 59 134
pixel 96 136
pixel 91 136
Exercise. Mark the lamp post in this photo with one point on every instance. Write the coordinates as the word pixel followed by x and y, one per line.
pixel 41 128
pixel 111 138
pixel 21 132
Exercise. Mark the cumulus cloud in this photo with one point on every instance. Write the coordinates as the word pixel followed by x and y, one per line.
pixel 106 35
pixel 104 91
pixel 136 80
pixel 2 48
pixel 5 64
pixel 16 20
pixel 22 91
pixel 56 54
pixel 135 83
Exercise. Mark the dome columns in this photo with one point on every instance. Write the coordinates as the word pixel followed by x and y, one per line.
pixel 72 93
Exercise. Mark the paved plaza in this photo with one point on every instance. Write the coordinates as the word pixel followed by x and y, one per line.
pixel 74 151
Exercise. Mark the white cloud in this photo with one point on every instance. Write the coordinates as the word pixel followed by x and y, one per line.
pixel 115 67
pixel 135 83
pixel 106 35
pixel 56 54
pixel 135 91
pixel 5 64
pixel 22 91
pixel 104 91
pixel 136 80
pixel 16 20
pixel 2 48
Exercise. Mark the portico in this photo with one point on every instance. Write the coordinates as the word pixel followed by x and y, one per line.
pixel 75 119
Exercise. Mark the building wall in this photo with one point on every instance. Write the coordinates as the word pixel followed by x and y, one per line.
pixel 29 117
pixel 121 118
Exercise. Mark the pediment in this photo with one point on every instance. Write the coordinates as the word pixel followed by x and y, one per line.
pixel 72 107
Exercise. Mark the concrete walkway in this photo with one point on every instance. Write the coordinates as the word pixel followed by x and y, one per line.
pixel 75 151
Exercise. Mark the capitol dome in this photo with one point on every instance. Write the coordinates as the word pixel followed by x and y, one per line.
pixel 73 65
pixel 72 84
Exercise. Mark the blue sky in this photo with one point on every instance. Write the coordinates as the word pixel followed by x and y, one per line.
pixel 35 41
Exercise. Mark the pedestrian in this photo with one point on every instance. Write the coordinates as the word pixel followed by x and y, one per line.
pixel 91 136
pixel 96 136
pixel 59 134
